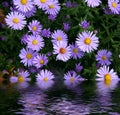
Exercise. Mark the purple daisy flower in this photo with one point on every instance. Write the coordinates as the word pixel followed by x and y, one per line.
pixel 35 42
pixel 103 57
pixel 42 4
pixel 40 60
pixel 66 26
pixel 62 50
pixel 35 27
pixel 68 4
pixel 26 56
pixel 76 52
pixel 46 33
pixel 78 67
pixel 24 39
pixel 87 41
pixel 93 3
pixel 72 79
pixel 106 74
pixel 114 6
pixel 58 36
pixel 84 24
pixel 23 5
pixel 45 79
pixel 15 20
pixel 53 7
pixel 5 4
pixel 52 17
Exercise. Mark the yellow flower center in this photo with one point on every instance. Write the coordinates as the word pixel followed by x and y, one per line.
pixel 51 6
pixel 62 50
pixel 104 57
pixel 43 1
pixel 16 20
pixel 24 2
pixel 28 56
pixel 87 41
pixel 34 42
pixel 45 79
pixel 72 79
pixel 114 4
pixel 41 61
pixel 59 38
pixel 107 79
pixel 34 28
pixel 75 50
pixel 20 79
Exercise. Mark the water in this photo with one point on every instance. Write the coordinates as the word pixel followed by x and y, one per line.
pixel 89 97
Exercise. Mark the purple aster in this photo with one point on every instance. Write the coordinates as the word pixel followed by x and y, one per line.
pixel 72 79
pixel 2 25
pixel 84 24
pixel 24 39
pixel 45 79
pixel 66 26
pixel 35 42
pixel 103 57
pixel 87 41
pixel 5 4
pixel 46 33
pixel 23 5
pixel 53 7
pixel 76 52
pixel 35 27
pixel 32 69
pixel 42 4
pixel 15 20
pixel 78 67
pixel 26 56
pixel 107 10
pixel 58 36
pixel 114 6
pixel 40 60
pixel 93 3
pixel 49 54
pixel 68 4
pixel 52 17
pixel 62 50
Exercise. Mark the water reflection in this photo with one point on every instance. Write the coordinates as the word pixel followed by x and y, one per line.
pixel 87 97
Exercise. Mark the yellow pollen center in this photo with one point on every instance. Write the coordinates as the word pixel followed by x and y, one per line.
pixel 62 50
pixel 59 38
pixel 87 41
pixel 24 2
pixel 107 79
pixel 16 20
pixel 28 56
pixel 34 28
pixel 45 79
pixel 43 1
pixel 41 61
pixel 51 6
pixel 72 79
pixel 34 42
pixel 75 50
pixel 104 57
pixel 20 79
pixel 114 4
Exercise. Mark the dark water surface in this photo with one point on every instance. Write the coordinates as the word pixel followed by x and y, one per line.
pixel 88 98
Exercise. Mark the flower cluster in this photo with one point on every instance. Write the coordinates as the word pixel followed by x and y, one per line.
pixel 78 36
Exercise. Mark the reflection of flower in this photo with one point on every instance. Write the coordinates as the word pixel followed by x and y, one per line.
pixel 21 80
pixel 107 79
pixel 44 79
pixel 72 79
pixel 33 102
